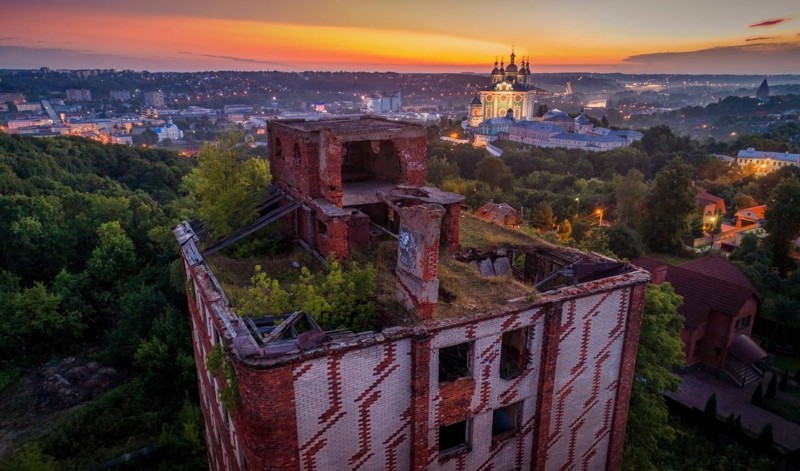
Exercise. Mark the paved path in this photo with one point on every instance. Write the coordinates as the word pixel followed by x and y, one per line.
pixel 698 385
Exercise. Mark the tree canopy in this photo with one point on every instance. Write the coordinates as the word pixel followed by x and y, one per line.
pixel 227 185
pixel 649 432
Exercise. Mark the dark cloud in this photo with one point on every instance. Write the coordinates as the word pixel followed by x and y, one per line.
pixel 760 38
pixel 771 58
pixel 774 22
pixel 234 58
pixel 7 38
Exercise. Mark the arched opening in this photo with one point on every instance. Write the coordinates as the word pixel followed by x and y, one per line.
pixel 278 147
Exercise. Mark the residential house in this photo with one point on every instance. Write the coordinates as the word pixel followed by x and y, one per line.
pixel 719 306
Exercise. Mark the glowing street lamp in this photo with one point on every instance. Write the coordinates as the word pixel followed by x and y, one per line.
pixel 713 220
pixel 577 207
pixel 599 213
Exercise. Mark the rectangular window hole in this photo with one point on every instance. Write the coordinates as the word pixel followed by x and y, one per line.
pixel 506 421
pixel 453 437
pixel 514 353
pixel 454 362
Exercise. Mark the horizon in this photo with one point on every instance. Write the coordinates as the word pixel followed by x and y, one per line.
pixel 628 37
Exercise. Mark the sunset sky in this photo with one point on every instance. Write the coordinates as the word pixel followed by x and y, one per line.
pixel 677 36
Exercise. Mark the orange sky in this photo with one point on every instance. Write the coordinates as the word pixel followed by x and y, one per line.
pixel 414 36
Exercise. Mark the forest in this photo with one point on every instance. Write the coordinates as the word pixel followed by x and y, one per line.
pixel 95 344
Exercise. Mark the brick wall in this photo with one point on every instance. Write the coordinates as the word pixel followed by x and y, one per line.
pixel 590 348
pixel 354 409
pixel 478 395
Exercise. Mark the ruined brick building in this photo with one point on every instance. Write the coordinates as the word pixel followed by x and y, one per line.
pixel 509 354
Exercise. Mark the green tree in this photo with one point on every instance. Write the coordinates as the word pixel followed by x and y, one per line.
pixel 114 256
pixel 742 201
pixel 28 458
pixel 439 169
pixel 227 185
pixel 624 242
pixel 649 433
pixel 495 173
pixel 668 207
pixel 630 194
pixel 543 216
pixel 783 221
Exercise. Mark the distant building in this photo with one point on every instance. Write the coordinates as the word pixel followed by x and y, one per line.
pixel 762 93
pixel 13 97
pixel 120 95
pixel 168 131
pixel 766 161
pixel 228 109
pixel 711 208
pixel 26 107
pixel 385 103
pixel 510 94
pixel 557 129
pixel 505 111
pixel 74 94
pixel 154 99
pixel 125 139
pixel 499 213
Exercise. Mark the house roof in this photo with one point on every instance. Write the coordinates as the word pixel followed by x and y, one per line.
pixel 705 285
pixel 706 198
pixel 751 153
pixel 497 212
pixel 756 213
pixel 721 269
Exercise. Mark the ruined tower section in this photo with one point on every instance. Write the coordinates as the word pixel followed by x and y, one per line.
pixel 418 258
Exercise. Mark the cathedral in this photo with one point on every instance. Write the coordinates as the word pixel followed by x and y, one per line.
pixel 510 94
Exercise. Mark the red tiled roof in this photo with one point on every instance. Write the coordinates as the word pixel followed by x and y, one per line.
pixel 704 292
pixel 705 198
pixel 721 269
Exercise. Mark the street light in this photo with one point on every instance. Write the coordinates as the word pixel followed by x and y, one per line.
pixel 599 213
pixel 577 207
pixel 713 220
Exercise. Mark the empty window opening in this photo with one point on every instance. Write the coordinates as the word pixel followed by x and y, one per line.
pixel 454 362
pixel 514 353
pixel 371 160
pixel 454 437
pixel 698 348
pixel 506 421
pixel 278 148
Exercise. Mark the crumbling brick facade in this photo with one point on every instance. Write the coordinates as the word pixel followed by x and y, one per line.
pixel 537 383
pixel 336 168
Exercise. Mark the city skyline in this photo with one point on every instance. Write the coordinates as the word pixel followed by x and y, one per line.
pixel 415 36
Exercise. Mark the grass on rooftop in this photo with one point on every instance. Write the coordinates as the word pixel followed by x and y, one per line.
pixel 471 291
pixel 481 235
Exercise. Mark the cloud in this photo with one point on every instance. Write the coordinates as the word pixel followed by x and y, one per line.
pixel 774 22
pixel 760 38
pixel 234 58
pixel 8 38
pixel 760 58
